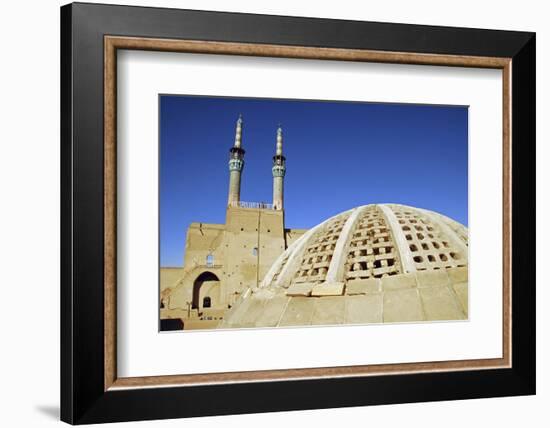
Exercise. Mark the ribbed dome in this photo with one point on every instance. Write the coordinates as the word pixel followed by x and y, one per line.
pixel 371 251
pixel 372 241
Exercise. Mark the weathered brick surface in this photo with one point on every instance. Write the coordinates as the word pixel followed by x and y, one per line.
pixel 402 306
pixel 363 286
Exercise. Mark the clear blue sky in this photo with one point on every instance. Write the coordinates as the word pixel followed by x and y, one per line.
pixel 339 155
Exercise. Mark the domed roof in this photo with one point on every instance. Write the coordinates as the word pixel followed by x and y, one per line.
pixel 408 264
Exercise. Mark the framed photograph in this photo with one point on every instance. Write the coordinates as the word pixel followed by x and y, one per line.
pixel 266 213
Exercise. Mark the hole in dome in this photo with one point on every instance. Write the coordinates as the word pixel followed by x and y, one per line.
pixel 420 236
pixel 425 246
pixel 413 247
pixel 431 258
pixel 454 256
pixel 435 244
pixel 418 259
pixel 409 237
pixel 406 228
pixel 377 263
pixel 443 257
pixel 419 228
pixel 445 244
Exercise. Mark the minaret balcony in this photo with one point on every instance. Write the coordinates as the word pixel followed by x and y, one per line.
pixel 236 153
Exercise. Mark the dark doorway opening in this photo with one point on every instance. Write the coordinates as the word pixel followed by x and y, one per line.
pixel 171 324
pixel 205 276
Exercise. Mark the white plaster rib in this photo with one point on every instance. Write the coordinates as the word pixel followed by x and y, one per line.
pixel 336 269
pixel 295 252
pixel 276 266
pixel 405 255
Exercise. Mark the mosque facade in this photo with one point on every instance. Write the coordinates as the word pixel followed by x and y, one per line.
pixel 223 260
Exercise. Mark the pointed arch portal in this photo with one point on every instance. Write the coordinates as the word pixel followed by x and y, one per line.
pixel 203 277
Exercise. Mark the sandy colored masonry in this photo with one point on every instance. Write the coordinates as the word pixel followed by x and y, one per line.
pixel 371 264
pixel 224 260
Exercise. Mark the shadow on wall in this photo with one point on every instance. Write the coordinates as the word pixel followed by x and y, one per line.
pixel 51 411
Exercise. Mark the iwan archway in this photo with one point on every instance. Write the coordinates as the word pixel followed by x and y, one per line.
pixel 206 291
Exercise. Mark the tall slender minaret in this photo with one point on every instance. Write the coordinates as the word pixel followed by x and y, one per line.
pixel 236 164
pixel 278 170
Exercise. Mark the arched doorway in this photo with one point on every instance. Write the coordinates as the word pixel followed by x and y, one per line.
pixel 198 299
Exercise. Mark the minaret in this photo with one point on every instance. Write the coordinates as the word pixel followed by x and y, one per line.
pixel 236 164
pixel 278 170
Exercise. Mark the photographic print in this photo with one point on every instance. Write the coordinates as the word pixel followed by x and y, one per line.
pixel 295 213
